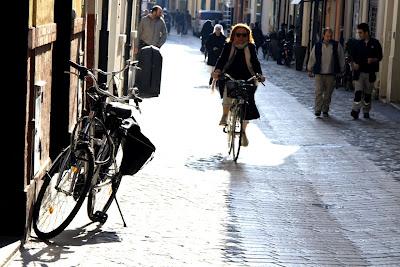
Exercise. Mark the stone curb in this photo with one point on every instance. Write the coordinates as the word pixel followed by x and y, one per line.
pixel 8 252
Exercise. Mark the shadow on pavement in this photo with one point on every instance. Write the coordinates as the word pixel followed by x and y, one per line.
pixel 59 246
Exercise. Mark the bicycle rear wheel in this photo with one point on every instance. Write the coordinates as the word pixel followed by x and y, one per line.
pixel 108 180
pixel 63 191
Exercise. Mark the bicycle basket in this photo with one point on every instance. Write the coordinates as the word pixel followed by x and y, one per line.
pixel 237 90
pixel 137 148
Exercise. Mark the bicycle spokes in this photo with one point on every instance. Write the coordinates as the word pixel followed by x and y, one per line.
pixel 64 188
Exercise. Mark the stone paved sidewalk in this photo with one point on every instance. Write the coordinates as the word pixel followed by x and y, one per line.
pixel 301 194
pixel 378 137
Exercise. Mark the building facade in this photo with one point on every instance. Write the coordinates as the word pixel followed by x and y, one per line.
pixel 49 34
pixel 310 17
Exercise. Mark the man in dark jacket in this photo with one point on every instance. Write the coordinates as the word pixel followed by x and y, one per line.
pixel 366 56
pixel 290 35
pixel 179 20
pixel 281 41
pixel 258 35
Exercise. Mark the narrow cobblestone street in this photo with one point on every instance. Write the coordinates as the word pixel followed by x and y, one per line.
pixel 306 191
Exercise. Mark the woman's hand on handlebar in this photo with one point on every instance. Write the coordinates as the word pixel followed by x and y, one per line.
pixel 261 78
pixel 216 74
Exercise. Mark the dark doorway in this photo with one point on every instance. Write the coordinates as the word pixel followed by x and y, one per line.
pixel 59 119
pixel 13 197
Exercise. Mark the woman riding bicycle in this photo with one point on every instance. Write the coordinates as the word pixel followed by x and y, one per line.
pixel 239 60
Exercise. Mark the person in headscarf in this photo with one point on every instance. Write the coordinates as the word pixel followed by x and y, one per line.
pixel 214 44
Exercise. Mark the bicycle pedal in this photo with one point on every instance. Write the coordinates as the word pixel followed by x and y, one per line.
pixel 100 216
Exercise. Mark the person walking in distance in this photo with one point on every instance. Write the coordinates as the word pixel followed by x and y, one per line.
pixel 281 40
pixel 206 30
pixel 179 20
pixel 326 61
pixel 167 19
pixel 366 56
pixel 258 35
pixel 214 44
pixel 152 29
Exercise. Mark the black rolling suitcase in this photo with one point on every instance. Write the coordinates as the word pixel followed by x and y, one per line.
pixel 148 77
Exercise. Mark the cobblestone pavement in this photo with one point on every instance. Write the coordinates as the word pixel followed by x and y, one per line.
pixel 302 193
pixel 378 137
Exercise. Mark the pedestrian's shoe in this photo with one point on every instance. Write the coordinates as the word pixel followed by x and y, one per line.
pixel 366 115
pixel 355 114
pixel 244 141
pixel 325 114
pixel 223 120
pixel 317 113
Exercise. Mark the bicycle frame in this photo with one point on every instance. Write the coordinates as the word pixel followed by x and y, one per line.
pixel 237 89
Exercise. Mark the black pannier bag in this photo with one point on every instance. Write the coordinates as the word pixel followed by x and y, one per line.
pixel 137 148
pixel 148 77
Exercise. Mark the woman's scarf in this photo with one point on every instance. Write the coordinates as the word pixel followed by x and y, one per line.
pixel 247 56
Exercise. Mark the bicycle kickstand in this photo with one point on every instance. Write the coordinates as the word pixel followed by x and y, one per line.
pixel 120 212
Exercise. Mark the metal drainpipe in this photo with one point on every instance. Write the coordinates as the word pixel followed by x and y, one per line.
pixel 301 14
pixel 103 41
pixel 285 15
pixel 128 44
pixel 309 32
pixel 279 15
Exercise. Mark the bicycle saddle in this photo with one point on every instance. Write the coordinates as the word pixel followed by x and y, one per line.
pixel 120 110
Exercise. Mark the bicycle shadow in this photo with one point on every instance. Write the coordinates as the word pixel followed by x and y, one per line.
pixel 60 246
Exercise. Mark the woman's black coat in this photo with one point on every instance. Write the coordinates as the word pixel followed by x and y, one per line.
pixel 239 71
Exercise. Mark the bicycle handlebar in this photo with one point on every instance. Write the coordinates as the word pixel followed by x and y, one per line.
pixel 86 72
pixel 254 77
pixel 129 63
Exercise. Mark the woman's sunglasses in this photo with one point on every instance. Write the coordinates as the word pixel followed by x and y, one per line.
pixel 238 34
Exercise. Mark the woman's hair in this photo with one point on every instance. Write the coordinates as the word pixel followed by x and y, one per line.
pixel 220 27
pixel 238 26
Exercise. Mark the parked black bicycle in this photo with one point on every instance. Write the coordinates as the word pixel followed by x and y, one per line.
pixel 106 143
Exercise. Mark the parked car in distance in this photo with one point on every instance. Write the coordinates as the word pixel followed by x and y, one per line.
pixel 202 16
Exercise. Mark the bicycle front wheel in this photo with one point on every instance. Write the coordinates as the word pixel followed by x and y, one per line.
pixel 230 129
pixel 237 129
pixel 63 191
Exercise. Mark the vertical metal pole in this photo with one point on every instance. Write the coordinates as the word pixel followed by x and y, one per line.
pixel 300 26
pixel 309 32
pixel 103 41
pixel 279 15
pixel 284 11
pixel 128 44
